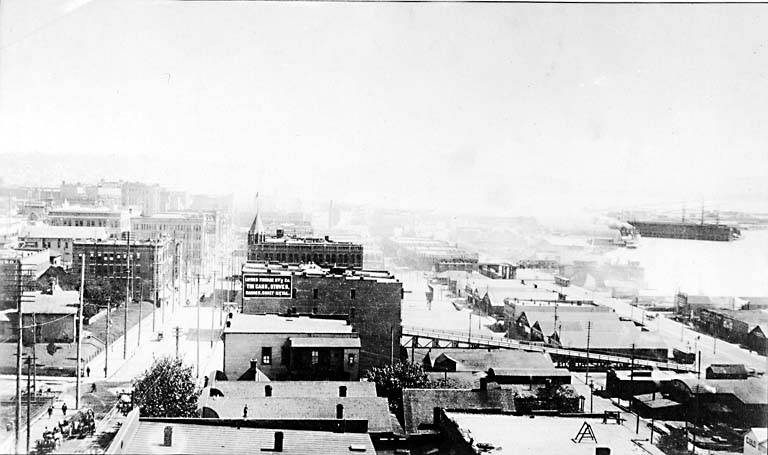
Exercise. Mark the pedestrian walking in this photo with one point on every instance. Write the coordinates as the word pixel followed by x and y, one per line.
pixel 245 411
pixel 88 371
pixel 50 412
pixel 64 408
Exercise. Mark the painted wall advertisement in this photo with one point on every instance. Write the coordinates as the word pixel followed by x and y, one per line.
pixel 274 286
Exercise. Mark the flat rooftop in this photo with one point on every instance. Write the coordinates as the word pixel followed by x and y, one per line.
pixel 522 435
pixel 122 243
pixel 63 232
pixel 272 323
pixel 373 409
pixel 288 389
pixel 211 439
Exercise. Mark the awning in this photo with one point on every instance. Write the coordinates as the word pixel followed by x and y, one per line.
pixel 325 342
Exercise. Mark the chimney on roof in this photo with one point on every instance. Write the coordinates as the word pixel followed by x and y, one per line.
pixel 339 411
pixel 342 391
pixel 229 324
pixel 253 364
pixel 168 436
pixel 278 447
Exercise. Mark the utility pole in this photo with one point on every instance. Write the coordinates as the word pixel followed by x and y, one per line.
pixel 589 333
pixel 155 275
pixel 632 377
pixel 29 401
pixel 78 373
pixel 176 331
pixel 213 304
pixel 106 342
pixel 223 287
pixel 34 353
pixel 17 420
pixel 197 363
pixel 127 298
pixel 391 345
pixel 469 336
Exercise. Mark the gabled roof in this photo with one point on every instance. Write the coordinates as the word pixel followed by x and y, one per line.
pixel 728 370
pixel 482 360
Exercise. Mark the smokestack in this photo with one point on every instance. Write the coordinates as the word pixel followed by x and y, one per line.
pixel 342 391
pixel 168 436
pixel 278 447
pixel 339 411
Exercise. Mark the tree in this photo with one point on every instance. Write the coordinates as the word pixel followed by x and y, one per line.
pixel 562 397
pixel 100 290
pixel 392 379
pixel 167 390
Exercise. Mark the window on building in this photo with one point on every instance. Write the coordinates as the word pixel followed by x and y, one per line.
pixel 266 356
pixel 315 357
pixel 352 293
pixel 314 293
pixel 351 359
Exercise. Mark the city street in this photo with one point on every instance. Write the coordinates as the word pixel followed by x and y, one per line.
pixel 211 357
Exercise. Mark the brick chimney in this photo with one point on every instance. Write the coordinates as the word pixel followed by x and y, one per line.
pixel 278 447
pixel 168 436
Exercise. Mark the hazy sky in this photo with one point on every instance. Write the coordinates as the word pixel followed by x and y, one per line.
pixel 468 107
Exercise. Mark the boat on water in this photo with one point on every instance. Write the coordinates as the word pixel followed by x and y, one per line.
pixel 689 231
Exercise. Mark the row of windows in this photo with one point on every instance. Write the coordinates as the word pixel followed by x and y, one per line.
pixel 88 223
pixel 291 257
pixel 266 357
pixel 164 227
pixel 48 244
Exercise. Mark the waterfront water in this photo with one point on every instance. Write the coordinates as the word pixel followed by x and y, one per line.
pixel 738 268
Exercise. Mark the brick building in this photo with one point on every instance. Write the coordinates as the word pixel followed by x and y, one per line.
pixel 151 264
pixel 294 250
pixel 371 301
